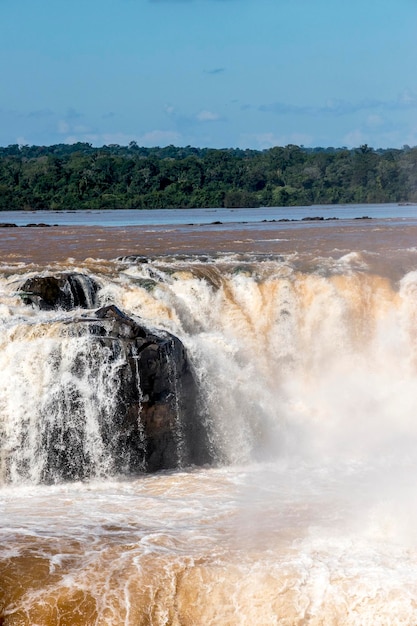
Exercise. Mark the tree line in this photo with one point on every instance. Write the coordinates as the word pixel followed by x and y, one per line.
pixel 81 176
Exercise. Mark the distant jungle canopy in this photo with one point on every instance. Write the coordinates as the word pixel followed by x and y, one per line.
pixel 80 176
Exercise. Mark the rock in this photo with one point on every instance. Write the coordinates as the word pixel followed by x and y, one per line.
pixel 64 291
pixel 167 407
pixel 133 258
pixel 40 225
pixel 155 423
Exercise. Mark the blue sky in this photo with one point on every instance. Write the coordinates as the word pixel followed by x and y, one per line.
pixel 216 73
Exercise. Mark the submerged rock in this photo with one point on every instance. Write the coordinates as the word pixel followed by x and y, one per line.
pixel 153 423
pixel 63 291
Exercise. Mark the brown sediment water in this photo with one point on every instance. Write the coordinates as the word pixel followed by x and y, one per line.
pixel 42 245
pixel 390 249
pixel 392 245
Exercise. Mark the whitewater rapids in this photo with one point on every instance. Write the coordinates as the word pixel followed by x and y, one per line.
pixel 307 374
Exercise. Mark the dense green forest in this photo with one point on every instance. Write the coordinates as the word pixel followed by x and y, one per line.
pixel 80 176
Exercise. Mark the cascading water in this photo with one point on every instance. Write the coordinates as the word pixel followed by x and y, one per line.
pixel 282 355
pixel 58 393
pixel 307 398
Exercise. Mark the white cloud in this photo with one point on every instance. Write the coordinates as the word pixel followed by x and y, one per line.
pixel 207 116
pixel 65 127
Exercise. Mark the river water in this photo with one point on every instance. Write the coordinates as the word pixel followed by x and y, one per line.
pixel 303 340
pixel 143 217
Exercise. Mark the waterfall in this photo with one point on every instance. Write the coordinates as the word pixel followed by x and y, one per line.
pixel 291 362
pixel 287 362
pixel 58 402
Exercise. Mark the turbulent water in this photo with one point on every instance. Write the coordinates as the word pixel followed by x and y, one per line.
pixel 307 376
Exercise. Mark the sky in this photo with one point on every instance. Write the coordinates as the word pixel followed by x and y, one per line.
pixel 209 73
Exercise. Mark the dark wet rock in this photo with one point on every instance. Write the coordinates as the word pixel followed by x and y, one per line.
pixel 132 258
pixel 146 283
pixel 39 225
pixel 155 423
pixel 7 225
pixel 316 218
pixel 63 291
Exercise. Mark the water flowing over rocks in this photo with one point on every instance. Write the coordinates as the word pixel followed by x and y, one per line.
pixel 65 291
pixel 122 398
pixel 156 422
